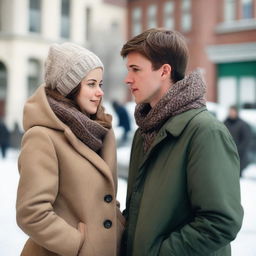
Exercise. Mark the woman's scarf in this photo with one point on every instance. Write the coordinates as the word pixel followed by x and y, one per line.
pixel 87 130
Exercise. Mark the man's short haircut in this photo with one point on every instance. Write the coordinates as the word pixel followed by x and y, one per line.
pixel 161 46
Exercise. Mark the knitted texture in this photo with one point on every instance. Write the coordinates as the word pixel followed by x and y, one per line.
pixel 184 95
pixel 87 130
pixel 66 66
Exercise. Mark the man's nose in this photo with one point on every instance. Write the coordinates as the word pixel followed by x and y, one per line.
pixel 128 79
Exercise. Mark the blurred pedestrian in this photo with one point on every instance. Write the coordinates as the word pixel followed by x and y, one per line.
pixel 241 133
pixel 4 138
pixel 123 118
pixel 183 194
pixel 66 199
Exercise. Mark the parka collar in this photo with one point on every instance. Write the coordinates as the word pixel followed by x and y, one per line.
pixel 176 125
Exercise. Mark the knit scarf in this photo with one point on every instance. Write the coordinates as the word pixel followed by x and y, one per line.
pixel 184 95
pixel 87 130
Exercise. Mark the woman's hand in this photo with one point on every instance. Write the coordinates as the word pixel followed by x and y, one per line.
pixel 81 228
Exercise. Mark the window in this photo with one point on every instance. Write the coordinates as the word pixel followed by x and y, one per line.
pixel 136 21
pixel 3 88
pixel 247 90
pixel 3 81
pixel 247 9
pixel 169 15
pixel 152 11
pixel 88 23
pixel 33 75
pixel 35 16
pixel 186 15
pixel 237 83
pixel 1 15
pixel 230 10
pixel 65 20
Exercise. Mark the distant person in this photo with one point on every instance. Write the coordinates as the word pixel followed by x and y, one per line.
pixel 66 200
pixel 4 138
pixel 124 119
pixel 241 134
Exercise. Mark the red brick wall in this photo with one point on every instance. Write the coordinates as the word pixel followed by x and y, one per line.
pixel 206 15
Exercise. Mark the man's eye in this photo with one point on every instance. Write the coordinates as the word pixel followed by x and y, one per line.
pixel 135 69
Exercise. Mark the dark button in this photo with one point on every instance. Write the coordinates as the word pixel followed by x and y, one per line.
pixel 107 224
pixel 108 198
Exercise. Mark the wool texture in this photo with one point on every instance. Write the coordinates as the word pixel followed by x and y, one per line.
pixel 90 132
pixel 186 94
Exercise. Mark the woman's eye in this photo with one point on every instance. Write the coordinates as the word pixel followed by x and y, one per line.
pixel 91 84
pixel 135 69
pixel 100 85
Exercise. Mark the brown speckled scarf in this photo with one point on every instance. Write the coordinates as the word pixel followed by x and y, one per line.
pixel 184 95
pixel 87 130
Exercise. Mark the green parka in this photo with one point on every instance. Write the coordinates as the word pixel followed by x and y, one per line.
pixel 183 195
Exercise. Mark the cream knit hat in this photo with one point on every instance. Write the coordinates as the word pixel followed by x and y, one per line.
pixel 66 66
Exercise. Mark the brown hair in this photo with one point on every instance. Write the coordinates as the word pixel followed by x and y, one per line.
pixel 161 46
pixel 100 116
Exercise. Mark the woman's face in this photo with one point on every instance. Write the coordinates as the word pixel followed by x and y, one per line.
pixel 90 94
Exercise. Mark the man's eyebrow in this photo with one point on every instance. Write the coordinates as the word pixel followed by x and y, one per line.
pixel 133 66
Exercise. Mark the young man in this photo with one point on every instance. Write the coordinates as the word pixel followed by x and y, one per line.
pixel 183 195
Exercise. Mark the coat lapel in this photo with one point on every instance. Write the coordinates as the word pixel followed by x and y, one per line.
pixel 89 154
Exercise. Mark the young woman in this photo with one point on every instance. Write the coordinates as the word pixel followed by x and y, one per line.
pixel 66 200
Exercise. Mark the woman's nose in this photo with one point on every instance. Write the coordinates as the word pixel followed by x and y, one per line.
pixel 100 92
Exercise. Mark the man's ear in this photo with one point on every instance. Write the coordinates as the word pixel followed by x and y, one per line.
pixel 166 71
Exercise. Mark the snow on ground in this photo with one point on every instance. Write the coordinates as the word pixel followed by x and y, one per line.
pixel 12 238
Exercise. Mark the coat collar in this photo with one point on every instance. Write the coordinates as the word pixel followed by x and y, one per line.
pixel 37 112
pixel 176 125
pixel 89 154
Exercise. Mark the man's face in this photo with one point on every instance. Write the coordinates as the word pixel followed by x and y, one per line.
pixel 145 83
pixel 233 113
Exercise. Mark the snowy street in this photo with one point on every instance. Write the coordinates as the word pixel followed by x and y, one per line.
pixel 12 238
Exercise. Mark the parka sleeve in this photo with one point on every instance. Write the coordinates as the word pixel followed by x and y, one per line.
pixel 214 191
pixel 37 191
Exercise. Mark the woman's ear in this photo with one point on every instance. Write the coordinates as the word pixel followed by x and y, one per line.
pixel 166 71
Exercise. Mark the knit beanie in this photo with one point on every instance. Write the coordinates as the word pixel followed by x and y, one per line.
pixel 66 66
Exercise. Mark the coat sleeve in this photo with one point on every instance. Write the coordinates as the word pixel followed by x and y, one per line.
pixel 214 191
pixel 37 191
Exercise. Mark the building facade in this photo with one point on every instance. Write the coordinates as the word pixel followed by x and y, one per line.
pixel 28 27
pixel 221 36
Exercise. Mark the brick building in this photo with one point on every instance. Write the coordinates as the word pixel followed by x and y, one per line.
pixel 221 36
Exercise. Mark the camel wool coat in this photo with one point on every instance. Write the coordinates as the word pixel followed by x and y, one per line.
pixel 63 182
